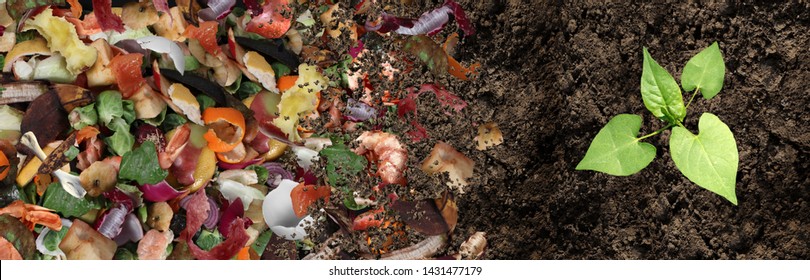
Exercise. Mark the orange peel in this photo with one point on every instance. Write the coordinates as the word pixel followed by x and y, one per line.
pixel 226 128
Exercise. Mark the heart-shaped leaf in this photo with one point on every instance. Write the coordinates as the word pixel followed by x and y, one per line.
pixel 705 71
pixel 660 92
pixel 616 150
pixel 710 158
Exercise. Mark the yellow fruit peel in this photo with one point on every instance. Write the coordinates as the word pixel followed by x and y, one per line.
pixel 300 100
pixel 62 38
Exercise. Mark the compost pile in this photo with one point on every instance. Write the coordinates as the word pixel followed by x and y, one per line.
pixel 265 130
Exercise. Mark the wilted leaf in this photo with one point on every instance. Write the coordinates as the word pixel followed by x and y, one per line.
pixel 422 215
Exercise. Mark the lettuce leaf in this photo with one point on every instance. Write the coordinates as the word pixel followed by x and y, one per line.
pixel 209 239
pixel 172 121
pixel 141 165
pixel 59 200
pixel 110 105
pixel 261 173
pixel 83 116
pixel 120 142
pixel 52 238
pixel 341 164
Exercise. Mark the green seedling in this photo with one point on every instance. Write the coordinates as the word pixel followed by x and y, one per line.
pixel 709 158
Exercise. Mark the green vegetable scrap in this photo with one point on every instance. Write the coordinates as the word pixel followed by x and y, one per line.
pixel 59 200
pixel 141 165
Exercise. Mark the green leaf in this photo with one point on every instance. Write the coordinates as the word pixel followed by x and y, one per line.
pixel 120 142
pixel 141 165
pixel 205 102
pixel 191 63
pixel 124 254
pixel 261 242
pixel 85 116
pixel 173 121
pixel 52 238
pixel 247 89
pixel 72 153
pixel 129 111
pixel 710 158
pixel 109 105
pixel 616 150
pixel 209 239
pixel 705 71
pixel 18 235
pixel 280 69
pixel 348 201
pixel 660 92
pixel 261 173
pixel 341 163
pixel 59 200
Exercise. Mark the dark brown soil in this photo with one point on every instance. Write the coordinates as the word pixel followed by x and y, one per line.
pixel 555 73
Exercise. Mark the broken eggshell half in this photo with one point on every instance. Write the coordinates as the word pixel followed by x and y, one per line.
pixel 279 214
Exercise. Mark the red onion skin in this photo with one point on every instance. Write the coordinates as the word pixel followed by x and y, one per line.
pixel 274 169
pixel 106 18
pixel 161 5
pixel 185 163
pixel 159 192
pixel 130 231
pixel 217 9
pixel 213 215
pixel 355 51
pixel 307 175
pixel 261 143
pixel 111 222
pixel 148 132
pixel 233 211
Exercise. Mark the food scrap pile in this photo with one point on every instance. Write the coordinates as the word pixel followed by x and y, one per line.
pixel 224 129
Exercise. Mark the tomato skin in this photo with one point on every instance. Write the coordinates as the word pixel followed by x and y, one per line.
pixel 206 34
pixel 127 71
pixel 271 23
pixel 305 195
pixel 367 220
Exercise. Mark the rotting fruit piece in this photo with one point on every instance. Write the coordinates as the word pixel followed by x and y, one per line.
pixel 489 135
pixel 159 216
pixel 443 158
pixel 99 178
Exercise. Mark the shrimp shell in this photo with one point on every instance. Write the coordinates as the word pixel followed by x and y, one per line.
pixel 391 157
